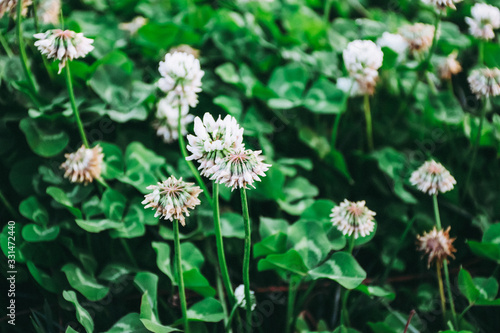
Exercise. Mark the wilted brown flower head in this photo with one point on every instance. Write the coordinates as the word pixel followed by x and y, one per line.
pixel 450 66
pixel 84 165
pixel 437 244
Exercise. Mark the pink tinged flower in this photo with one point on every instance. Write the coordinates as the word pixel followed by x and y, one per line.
pixel 84 165
pixel 485 82
pixel 172 199
pixel 432 178
pixel 442 4
pixel 10 6
pixel 419 36
pixel 449 67
pixel 213 141
pixel 362 59
pixel 437 244
pixel 181 77
pixel 48 11
pixel 353 218
pixel 63 45
pixel 484 20
pixel 239 169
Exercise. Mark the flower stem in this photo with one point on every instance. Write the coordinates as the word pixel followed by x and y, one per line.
pixel 481 52
pixel 292 294
pixel 220 246
pixel 339 115
pixel 6 46
pixel 476 145
pixel 246 256
pixel 326 12
pixel 368 117
pixel 128 251
pixel 22 51
pixel 344 316
pixel 69 84
pixel 178 262
pixel 182 145
pixel 441 288
pixel 7 205
pixel 445 264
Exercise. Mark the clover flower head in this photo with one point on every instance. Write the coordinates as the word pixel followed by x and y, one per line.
pixel 133 26
pixel 485 82
pixel 362 59
pixel 419 36
pixel 449 67
pixel 442 4
pixel 239 294
pixel 432 178
pixel 485 18
pixel 181 77
pixel 240 168
pixel 48 11
pixel 84 165
pixel 9 6
pixel 167 120
pixel 353 218
pixel 350 86
pixel 213 140
pixel 437 244
pixel 172 199
pixel 63 45
pixel 394 42
pixel 186 49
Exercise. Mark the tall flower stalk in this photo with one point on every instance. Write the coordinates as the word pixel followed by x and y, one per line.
pixel 22 52
pixel 180 277
pixel 368 119
pixel 74 107
pixel 246 255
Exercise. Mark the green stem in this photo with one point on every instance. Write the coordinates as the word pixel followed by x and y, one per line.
pixel 182 145
pixel 35 15
pixel 481 52
pixel 344 316
pixel 292 294
pixel 69 84
pixel 231 316
pixel 465 311
pixel 395 253
pixel 339 115
pixel 246 256
pixel 326 12
pixel 368 117
pixel 445 264
pixel 220 245
pixel 22 51
pixel 178 262
pixel 6 46
pixel 129 252
pixel 441 289
pixel 9 207
pixel 476 145
pixel 431 83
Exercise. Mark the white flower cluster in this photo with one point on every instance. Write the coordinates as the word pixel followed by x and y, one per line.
pixel 63 45
pixel 167 120
pixel 394 42
pixel 48 11
pixel 181 78
pixel 442 4
pixel 84 165
pixel 353 218
pixel 485 18
pixel 172 199
pixel 133 26
pixel 485 82
pixel 419 36
pixel 362 59
pixel 432 178
pixel 449 66
pixel 218 146
pixel 239 294
pixel 9 6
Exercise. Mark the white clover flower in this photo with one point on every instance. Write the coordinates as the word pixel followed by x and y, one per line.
pixel 485 19
pixel 239 294
pixel 419 36
pixel 442 4
pixel 240 168
pixel 48 11
pixel 133 26
pixel 437 244
pixel 181 77
pixel 395 42
pixel 63 45
pixel 213 140
pixel 9 6
pixel 362 59
pixel 449 67
pixel 432 178
pixel 167 120
pixel 350 86
pixel 485 82
pixel 353 218
pixel 172 199
pixel 84 165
